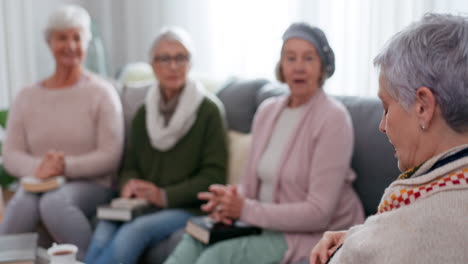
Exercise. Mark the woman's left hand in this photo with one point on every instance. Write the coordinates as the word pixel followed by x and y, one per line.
pixel 148 191
pixel 229 204
pixel 224 204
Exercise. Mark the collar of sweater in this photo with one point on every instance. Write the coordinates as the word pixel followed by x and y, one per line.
pixel 162 136
pixel 451 176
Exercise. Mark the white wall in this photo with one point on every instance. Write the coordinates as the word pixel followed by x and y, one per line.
pixel 240 38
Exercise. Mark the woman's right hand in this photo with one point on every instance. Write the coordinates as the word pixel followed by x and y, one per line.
pixel 128 189
pixel 330 241
pixel 53 164
pixel 211 197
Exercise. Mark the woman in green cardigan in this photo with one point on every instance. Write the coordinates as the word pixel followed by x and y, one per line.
pixel 177 148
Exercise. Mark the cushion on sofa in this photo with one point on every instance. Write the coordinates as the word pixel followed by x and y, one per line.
pixel 239 146
pixel 132 97
pixel 240 102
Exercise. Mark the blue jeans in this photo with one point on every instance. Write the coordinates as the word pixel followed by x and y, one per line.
pixel 114 242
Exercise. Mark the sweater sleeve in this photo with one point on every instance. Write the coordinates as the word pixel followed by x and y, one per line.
pixel 212 169
pixel 130 168
pixel 106 156
pixel 17 158
pixel 328 171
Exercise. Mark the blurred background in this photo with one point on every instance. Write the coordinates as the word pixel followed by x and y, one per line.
pixel 239 38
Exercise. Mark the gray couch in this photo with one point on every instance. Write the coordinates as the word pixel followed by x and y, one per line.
pixel 373 159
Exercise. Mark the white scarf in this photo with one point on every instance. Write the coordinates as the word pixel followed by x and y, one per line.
pixel 165 137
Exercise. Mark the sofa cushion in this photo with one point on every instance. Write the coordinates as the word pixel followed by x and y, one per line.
pixel 132 97
pixel 239 146
pixel 240 102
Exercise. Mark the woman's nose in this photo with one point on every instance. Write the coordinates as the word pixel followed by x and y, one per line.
pixel 382 124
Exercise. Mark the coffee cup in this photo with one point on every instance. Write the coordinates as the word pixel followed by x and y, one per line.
pixel 62 254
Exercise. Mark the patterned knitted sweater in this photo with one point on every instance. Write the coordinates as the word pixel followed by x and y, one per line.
pixel 423 219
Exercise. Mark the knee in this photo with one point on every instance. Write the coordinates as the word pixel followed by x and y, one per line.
pixel 221 252
pixel 21 214
pixel 128 231
pixel 211 255
pixel 104 232
pixel 23 200
pixel 49 200
pixel 51 205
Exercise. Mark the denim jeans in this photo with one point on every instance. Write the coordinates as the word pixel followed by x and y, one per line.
pixel 114 242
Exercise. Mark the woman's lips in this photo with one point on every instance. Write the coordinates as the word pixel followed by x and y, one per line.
pixel 299 81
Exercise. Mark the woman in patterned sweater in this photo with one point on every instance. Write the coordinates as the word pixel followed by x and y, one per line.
pixel 422 217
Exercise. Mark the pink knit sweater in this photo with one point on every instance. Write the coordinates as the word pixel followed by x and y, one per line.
pixel 313 192
pixel 84 120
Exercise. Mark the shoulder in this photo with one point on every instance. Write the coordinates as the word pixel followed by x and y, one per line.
pixel 100 85
pixel 102 89
pixel 272 102
pixel 269 105
pixel 140 115
pixel 138 123
pixel 29 90
pixel 331 107
pixel 27 94
pixel 212 102
pixel 211 106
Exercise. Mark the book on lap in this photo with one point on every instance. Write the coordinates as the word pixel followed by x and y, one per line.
pixel 122 209
pixel 33 184
pixel 18 248
pixel 207 231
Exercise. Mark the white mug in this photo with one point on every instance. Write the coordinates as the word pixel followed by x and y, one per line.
pixel 62 254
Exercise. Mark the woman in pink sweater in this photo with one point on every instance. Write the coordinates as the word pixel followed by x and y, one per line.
pixel 70 125
pixel 298 178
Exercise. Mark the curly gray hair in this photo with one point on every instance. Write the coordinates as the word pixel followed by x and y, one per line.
pixel 433 53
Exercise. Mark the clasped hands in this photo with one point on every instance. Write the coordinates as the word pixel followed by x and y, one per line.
pixel 143 190
pixel 52 164
pixel 224 203
pixel 329 243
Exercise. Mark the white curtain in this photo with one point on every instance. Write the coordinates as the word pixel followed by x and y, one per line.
pixel 232 38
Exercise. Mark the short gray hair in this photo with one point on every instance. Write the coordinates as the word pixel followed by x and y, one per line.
pixel 432 52
pixel 70 16
pixel 173 33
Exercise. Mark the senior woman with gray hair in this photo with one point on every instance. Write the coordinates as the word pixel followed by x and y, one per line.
pixel 69 124
pixel 298 181
pixel 177 148
pixel 423 215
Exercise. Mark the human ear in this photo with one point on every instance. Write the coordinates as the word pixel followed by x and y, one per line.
pixel 425 103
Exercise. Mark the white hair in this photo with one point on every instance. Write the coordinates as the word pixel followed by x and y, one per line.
pixel 176 34
pixel 70 16
pixel 432 52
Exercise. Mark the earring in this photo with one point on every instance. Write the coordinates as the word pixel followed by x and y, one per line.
pixel 423 127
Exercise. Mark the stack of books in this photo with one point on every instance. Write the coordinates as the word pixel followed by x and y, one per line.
pixel 18 248
pixel 123 209
pixel 35 185
pixel 207 231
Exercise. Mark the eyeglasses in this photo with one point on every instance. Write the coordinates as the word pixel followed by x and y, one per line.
pixel 165 60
